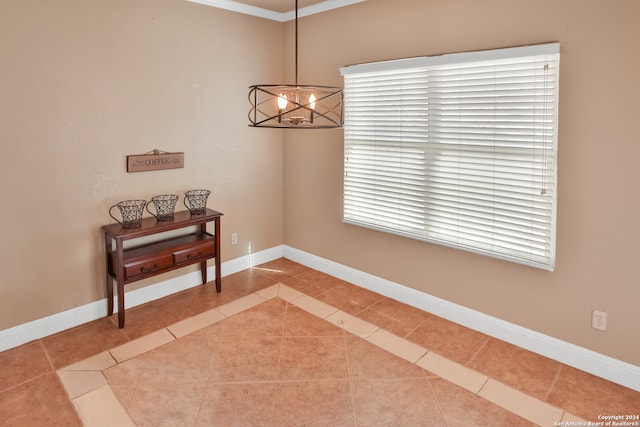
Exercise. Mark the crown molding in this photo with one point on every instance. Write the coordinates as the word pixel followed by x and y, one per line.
pixel 323 6
pixel 246 9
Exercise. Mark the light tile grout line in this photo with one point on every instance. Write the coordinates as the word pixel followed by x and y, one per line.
pixel 479 384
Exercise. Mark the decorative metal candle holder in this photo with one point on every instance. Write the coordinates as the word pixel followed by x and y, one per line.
pixel 131 212
pixel 196 201
pixel 165 206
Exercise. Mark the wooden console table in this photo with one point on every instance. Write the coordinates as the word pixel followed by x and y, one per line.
pixel 138 262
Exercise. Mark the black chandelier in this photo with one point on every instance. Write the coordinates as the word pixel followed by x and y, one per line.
pixel 296 106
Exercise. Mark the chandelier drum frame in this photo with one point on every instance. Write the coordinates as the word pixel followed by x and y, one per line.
pixel 299 113
pixel 296 106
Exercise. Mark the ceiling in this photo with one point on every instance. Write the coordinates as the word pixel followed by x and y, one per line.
pixel 277 10
pixel 281 6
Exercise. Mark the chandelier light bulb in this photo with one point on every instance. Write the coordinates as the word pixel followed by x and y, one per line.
pixel 312 106
pixel 282 101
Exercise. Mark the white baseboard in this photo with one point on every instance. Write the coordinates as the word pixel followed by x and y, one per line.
pixel 76 316
pixel 581 358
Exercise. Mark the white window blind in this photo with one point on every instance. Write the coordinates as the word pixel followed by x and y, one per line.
pixel 457 149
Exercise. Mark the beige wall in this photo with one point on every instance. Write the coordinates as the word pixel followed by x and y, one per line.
pixel 598 204
pixel 83 84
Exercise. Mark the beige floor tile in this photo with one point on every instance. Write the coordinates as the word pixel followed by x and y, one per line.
pixel 192 324
pixel 99 362
pixel 352 324
pixel 269 292
pixel 519 403
pixel 301 323
pixel 141 345
pixel 453 372
pixel 241 304
pixel 101 408
pixel 126 373
pixel 306 287
pixel 264 319
pixel 314 306
pixel 77 383
pixel 567 418
pixel 279 290
pixel 288 294
pixel 368 361
pixel 394 344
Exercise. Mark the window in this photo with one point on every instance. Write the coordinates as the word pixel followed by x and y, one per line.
pixel 457 149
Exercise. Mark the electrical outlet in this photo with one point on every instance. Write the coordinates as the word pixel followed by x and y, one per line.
pixel 234 238
pixel 599 320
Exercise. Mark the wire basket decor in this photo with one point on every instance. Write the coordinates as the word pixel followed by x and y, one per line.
pixel 130 211
pixel 165 206
pixel 196 201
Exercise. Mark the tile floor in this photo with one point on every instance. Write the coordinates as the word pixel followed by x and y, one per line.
pixel 287 345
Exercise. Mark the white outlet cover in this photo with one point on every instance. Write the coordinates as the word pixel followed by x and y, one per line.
pixel 599 320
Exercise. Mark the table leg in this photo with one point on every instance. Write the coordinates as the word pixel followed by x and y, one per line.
pixel 109 295
pixel 120 279
pixel 218 263
pixel 120 304
pixel 107 251
pixel 203 271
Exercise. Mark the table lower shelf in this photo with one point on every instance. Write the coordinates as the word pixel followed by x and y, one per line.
pixel 148 260
pixel 162 256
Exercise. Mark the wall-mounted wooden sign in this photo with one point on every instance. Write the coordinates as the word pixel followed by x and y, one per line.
pixel 156 160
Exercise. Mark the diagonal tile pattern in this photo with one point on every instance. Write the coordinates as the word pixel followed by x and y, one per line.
pixel 287 345
pixel 278 353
